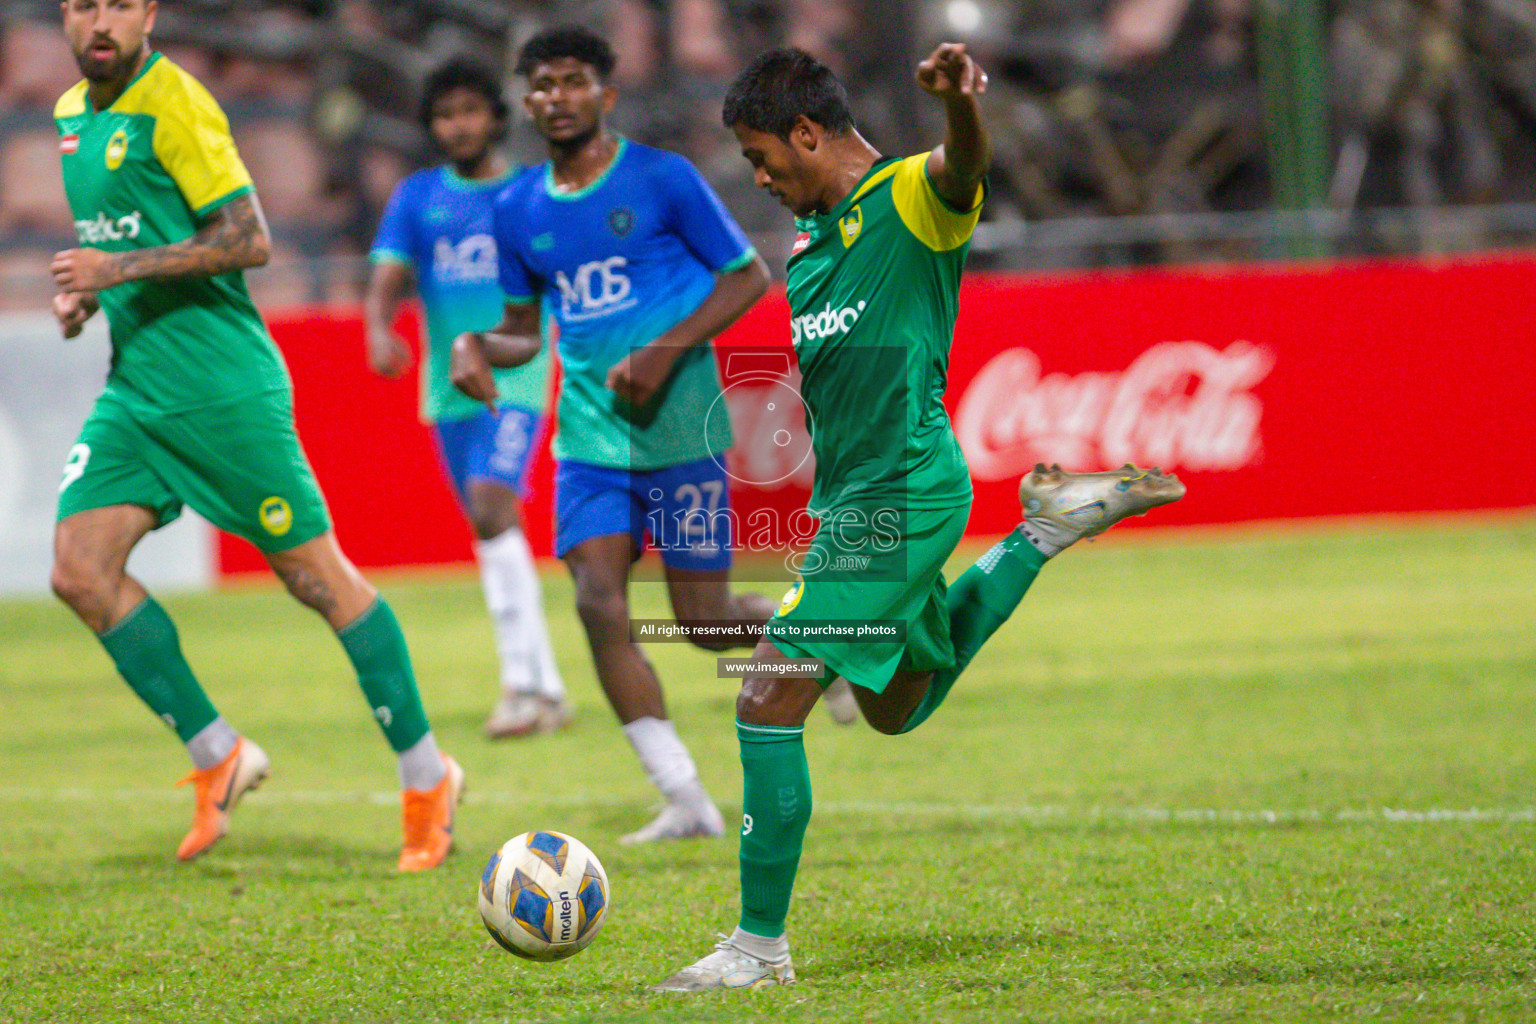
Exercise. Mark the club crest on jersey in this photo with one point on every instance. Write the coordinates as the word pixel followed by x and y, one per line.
pixel 850 226
pixel 276 516
pixel 621 220
pixel 69 144
pixel 802 240
pixel 791 599
pixel 117 149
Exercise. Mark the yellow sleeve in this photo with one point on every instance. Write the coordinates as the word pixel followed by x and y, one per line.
pixel 193 144
pixel 925 213
pixel 72 103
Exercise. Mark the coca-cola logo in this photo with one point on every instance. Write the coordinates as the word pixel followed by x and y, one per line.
pixel 1179 405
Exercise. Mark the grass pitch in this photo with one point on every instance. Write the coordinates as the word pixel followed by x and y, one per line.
pixel 1219 776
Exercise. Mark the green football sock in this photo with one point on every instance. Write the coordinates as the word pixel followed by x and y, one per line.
pixel 776 805
pixel 377 648
pixel 147 652
pixel 980 601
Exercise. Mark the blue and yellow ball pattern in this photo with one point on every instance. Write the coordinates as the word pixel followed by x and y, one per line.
pixel 544 895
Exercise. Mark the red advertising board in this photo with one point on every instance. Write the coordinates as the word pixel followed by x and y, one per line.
pixel 1274 392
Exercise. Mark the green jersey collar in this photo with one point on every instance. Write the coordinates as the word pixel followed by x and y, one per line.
pixel 878 172
pixel 456 180
pixel 556 193
pixel 154 55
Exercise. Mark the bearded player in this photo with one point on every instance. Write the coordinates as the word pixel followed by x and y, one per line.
pixel 437 230
pixel 873 285
pixel 198 410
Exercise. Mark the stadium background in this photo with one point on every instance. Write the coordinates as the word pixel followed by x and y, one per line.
pixel 1280 249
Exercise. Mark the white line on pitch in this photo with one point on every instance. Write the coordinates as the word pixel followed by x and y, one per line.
pixel 859 808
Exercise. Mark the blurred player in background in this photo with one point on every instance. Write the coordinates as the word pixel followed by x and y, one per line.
pixel 640 267
pixel 198 410
pixel 882 242
pixel 437 226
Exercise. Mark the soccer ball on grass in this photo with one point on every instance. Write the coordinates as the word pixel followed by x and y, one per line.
pixel 544 896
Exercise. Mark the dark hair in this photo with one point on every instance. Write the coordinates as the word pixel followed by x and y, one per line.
pixel 779 86
pixel 461 73
pixel 567 41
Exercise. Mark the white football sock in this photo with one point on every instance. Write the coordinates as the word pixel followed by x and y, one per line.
pixel 665 760
pixel 516 603
pixel 1047 535
pixel 212 743
pixel 421 764
pixel 775 951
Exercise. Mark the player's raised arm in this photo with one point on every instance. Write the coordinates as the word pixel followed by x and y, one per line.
pixel 957 167
pixel 388 355
pixel 513 342
pixel 637 377
pixel 232 237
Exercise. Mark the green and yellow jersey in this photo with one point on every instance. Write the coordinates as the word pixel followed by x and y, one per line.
pixel 874 289
pixel 141 173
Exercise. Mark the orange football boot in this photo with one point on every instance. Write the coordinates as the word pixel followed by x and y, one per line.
pixel 426 816
pixel 215 792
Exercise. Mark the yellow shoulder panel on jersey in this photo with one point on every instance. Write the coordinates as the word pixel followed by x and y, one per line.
pixel 935 223
pixel 879 176
pixel 192 139
pixel 72 103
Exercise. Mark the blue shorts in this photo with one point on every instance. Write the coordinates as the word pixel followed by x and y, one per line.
pixel 498 448
pixel 684 509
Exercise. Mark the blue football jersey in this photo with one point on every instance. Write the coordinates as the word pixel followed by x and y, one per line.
pixel 616 264
pixel 439 224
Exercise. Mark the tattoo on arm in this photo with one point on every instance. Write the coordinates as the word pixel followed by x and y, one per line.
pixel 233 237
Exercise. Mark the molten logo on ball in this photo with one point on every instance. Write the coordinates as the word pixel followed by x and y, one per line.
pixel 544 896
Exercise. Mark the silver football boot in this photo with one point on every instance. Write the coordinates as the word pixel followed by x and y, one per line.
pixel 1087 504
pixel 728 967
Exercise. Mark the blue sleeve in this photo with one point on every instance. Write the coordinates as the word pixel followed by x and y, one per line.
pixel 696 215
pixel 395 242
pixel 518 282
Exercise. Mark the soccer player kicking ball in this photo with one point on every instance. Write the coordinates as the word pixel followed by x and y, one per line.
pixel 874 290
pixel 639 266
pixel 438 225
pixel 197 409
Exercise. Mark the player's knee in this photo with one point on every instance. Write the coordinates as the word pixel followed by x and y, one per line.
pixel 770 701
pixel 754 703
pixel 491 521
pixel 603 611
pixel 492 510
pixel 80 583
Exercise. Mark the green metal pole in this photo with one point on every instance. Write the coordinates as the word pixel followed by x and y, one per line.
pixel 1293 70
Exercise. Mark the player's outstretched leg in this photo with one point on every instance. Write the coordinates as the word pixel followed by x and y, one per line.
pixel 1060 508
pixel 91 549
pixel 320 576
pixel 776 808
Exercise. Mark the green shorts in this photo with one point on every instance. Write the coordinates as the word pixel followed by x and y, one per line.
pixel 238 464
pixel 847 576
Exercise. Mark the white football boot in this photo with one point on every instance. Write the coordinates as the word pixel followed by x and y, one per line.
pixel 690 820
pixel 526 714
pixel 729 967
pixel 1086 504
